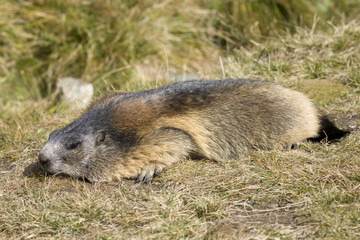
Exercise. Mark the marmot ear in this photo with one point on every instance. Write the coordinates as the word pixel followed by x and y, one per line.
pixel 100 137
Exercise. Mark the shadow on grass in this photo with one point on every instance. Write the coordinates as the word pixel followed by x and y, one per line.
pixel 34 170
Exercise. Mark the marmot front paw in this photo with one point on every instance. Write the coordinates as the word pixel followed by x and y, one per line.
pixel 148 172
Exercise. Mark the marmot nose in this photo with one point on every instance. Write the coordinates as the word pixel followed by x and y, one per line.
pixel 43 159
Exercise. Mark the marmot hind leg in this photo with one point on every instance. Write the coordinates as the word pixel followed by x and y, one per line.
pixel 158 149
pixel 292 146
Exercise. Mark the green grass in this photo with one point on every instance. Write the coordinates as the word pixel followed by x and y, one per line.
pixel 109 43
pixel 309 193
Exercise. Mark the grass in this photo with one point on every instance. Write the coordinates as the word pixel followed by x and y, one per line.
pixel 109 43
pixel 309 193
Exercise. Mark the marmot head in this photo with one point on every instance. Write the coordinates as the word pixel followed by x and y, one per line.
pixel 87 148
pixel 70 153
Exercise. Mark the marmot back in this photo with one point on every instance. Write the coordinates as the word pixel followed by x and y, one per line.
pixel 136 135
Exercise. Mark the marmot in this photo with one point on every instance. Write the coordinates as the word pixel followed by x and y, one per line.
pixel 136 135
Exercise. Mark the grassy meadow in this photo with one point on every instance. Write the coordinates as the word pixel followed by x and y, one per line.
pixel 312 46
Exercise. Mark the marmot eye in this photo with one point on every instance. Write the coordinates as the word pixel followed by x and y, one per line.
pixel 72 145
